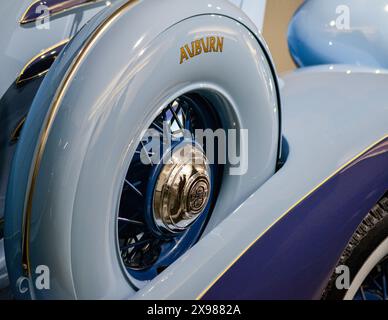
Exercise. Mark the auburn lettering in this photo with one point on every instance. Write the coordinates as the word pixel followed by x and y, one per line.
pixel 200 46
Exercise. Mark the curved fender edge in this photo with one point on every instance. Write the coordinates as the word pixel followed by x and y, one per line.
pixel 145 28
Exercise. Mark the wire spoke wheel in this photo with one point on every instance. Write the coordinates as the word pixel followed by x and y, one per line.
pixel 375 286
pixel 169 190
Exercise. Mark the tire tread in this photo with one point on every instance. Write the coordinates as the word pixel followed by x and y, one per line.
pixel 370 223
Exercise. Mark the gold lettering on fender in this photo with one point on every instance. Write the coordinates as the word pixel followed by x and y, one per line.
pixel 184 56
pixel 201 46
pixel 190 52
pixel 213 44
pixel 220 44
pixel 198 47
pixel 205 46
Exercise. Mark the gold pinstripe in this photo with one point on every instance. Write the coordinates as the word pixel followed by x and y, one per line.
pixel 49 122
pixel 286 212
pixel 45 51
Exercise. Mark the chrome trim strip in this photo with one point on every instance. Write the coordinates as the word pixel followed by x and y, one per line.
pixel 55 7
pixel 52 112
pixel 15 135
pixel 40 62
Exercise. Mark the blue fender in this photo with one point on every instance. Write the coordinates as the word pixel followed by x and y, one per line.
pixel 23 41
pixel 340 32
pixel 286 239
pixel 30 210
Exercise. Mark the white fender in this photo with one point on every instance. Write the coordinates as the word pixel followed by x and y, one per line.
pixel 86 121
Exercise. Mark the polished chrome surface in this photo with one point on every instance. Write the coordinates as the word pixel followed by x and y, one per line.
pixel 182 189
pixel 40 64
pixel 42 9
pixel 15 135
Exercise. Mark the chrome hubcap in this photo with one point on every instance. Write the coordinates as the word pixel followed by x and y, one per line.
pixel 182 190
pixel 167 200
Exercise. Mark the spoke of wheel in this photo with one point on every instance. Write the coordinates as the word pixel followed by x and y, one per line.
pixel 377 285
pixel 176 117
pixel 134 188
pixel 187 120
pixel 384 278
pixel 362 293
pixel 180 109
pixel 135 244
pixel 183 112
pixel 157 127
pixel 164 116
pixel 146 151
pixel 131 221
pixel 150 154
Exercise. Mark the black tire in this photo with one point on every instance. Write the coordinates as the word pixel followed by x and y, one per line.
pixel 369 235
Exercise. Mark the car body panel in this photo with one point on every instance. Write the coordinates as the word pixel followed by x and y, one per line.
pixel 255 9
pixel 340 31
pixel 300 250
pixel 138 17
pixel 322 139
pixel 272 228
pixel 19 44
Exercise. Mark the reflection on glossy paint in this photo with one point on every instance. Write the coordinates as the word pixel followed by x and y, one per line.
pixel 41 63
pixel 317 37
pixel 54 7
pixel 15 135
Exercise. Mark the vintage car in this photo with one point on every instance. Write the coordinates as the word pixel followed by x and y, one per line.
pixel 306 199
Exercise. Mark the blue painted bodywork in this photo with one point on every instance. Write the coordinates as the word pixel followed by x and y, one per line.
pixel 322 138
pixel 282 240
pixel 21 48
pixel 340 31
pixel 295 258
pixel 137 18
pixel 52 7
